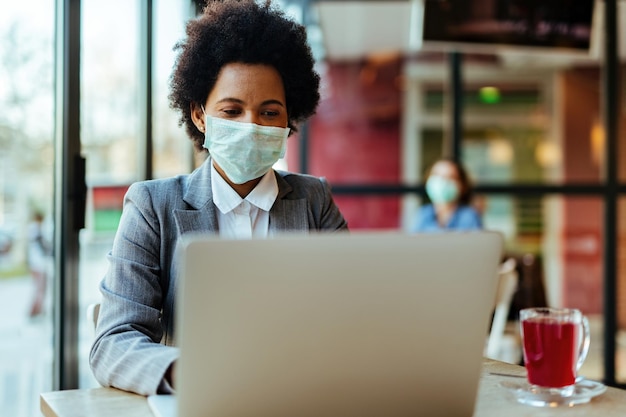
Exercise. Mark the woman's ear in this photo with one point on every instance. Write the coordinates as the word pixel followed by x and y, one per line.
pixel 197 116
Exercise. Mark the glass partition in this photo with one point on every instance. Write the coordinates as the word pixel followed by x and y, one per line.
pixel 112 129
pixel 383 118
pixel 539 125
pixel 620 358
pixel 26 202
pixel 173 150
pixel 370 212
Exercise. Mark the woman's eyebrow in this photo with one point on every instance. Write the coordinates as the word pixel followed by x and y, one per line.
pixel 274 101
pixel 230 100
pixel 238 101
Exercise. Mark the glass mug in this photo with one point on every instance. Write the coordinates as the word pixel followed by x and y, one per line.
pixel 555 345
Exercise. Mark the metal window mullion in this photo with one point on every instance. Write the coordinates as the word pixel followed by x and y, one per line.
pixel 304 128
pixel 69 193
pixel 610 120
pixel 456 106
pixel 145 162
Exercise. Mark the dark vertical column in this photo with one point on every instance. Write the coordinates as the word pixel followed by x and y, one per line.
pixel 70 193
pixel 456 107
pixel 303 131
pixel 611 107
pixel 145 80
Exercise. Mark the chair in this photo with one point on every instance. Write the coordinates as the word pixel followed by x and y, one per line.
pixel 502 346
pixel 530 291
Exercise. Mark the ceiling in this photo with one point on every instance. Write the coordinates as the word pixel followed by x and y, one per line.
pixel 352 29
pixel 357 29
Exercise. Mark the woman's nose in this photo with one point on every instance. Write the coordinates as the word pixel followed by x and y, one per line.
pixel 251 117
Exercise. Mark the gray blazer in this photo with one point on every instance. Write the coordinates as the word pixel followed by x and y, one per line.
pixel 134 344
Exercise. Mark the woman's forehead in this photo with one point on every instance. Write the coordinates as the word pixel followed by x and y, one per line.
pixel 445 169
pixel 248 82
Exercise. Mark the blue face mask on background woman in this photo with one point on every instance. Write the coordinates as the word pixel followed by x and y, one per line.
pixel 441 190
pixel 244 151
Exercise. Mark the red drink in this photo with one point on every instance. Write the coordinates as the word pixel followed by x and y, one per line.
pixel 550 351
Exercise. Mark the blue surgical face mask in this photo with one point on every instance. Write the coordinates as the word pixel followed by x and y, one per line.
pixel 441 190
pixel 244 151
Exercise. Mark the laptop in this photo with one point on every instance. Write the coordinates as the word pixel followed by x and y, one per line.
pixel 349 324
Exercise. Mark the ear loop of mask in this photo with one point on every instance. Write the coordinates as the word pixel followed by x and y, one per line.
pixel 204 113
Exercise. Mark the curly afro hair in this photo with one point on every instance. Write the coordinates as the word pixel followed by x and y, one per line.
pixel 247 32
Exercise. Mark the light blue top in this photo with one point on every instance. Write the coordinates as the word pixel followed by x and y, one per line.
pixel 464 218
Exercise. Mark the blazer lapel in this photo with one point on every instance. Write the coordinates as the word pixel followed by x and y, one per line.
pixel 287 215
pixel 199 195
pixel 196 221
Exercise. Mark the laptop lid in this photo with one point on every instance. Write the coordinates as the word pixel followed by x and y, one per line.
pixel 360 324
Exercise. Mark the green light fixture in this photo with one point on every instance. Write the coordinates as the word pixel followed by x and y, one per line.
pixel 489 95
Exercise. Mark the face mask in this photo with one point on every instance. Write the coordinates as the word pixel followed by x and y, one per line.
pixel 441 190
pixel 244 151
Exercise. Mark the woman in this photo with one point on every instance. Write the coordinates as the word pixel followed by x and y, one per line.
pixel 448 188
pixel 38 257
pixel 243 80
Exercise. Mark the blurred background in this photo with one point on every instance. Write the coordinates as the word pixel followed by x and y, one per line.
pixel 525 95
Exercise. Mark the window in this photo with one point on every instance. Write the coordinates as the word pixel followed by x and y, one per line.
pixel 26 191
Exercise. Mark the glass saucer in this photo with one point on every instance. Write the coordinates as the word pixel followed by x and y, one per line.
pixel 584 391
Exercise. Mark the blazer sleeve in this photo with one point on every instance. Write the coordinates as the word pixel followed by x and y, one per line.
pixel 127 353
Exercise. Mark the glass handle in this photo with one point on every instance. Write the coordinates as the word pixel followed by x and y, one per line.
pixel 584 345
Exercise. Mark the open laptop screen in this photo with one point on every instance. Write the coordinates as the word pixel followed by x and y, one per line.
pixel 334 324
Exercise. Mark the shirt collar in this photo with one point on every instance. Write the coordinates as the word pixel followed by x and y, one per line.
pixel 262 196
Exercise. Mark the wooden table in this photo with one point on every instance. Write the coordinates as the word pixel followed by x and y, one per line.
pixel 492 401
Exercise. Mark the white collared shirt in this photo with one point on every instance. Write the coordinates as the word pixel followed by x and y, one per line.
pixel 240 218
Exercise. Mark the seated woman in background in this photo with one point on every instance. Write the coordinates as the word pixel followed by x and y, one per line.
pixel 450 193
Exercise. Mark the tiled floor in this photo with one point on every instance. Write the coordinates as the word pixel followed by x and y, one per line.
pixel 26 352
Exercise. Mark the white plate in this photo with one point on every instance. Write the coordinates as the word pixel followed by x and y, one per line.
pixel 584 391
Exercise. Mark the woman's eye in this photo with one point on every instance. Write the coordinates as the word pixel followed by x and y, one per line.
pixel 232 112
pixel 270 113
